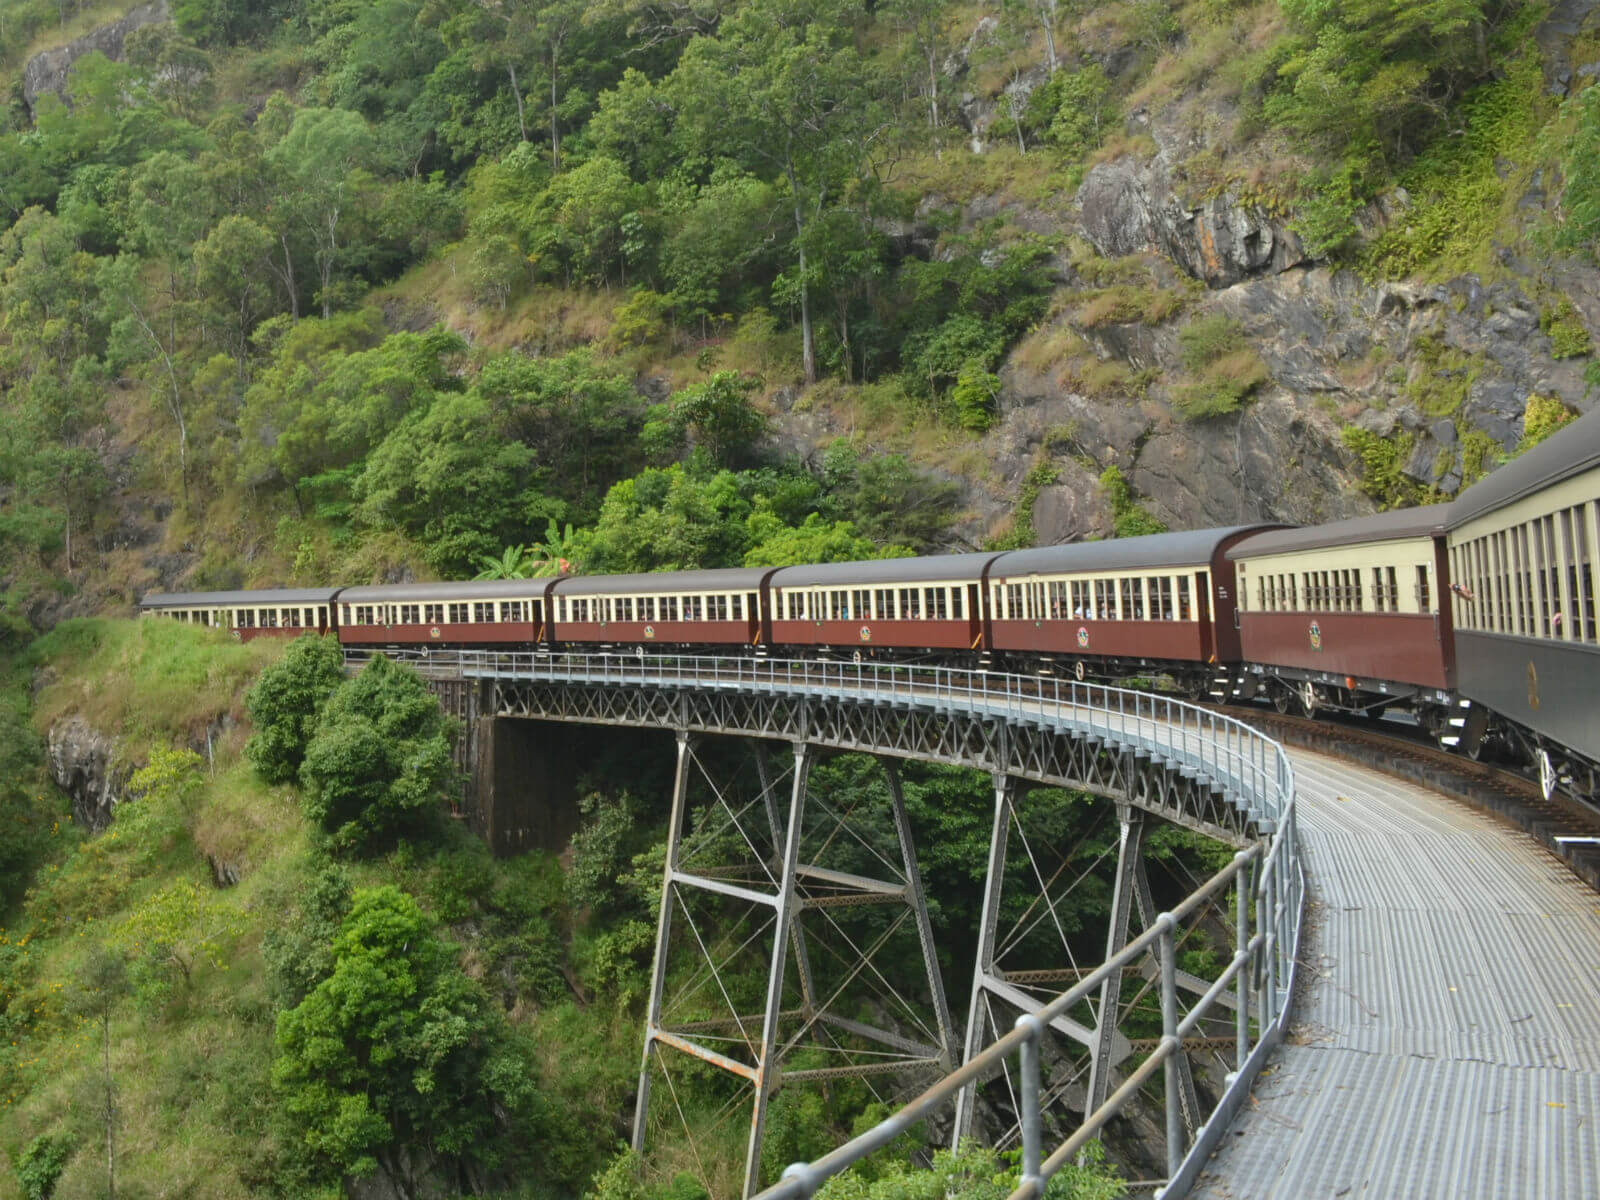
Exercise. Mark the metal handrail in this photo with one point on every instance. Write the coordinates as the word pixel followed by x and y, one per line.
pixel 1253 771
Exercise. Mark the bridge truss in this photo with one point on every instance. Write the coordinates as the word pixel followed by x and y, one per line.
pixel 760 868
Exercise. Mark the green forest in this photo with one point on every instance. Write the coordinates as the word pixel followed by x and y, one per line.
pixel 304 292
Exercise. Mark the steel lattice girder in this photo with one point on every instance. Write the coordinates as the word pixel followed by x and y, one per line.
pixel 1028 749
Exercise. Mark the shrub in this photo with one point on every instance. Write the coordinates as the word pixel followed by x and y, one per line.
pixel 41 1162
pixel 974 396
pixel 1541 416
pixel 380 761
pixel 1228 372
pixel 1383 466
pixel 287 700
pixel 1565 329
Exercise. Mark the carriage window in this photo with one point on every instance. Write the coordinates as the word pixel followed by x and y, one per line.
pixel 363 614
pixel 1080 597
pixel 1160 589
pixel 958 604
pixel 410 614
pixel 647 608
pixel 736 607
pixel 716 608
pixel 291 618
pixel 836 607
pixel 1184 612
pixel 245 618
pixel 458 613
pixel 1132 600
pixel 861 604
pixel 483 612
pixel 433 613
pixel 267 618
pixel 513 610
pixel 693 608
pixel 934 604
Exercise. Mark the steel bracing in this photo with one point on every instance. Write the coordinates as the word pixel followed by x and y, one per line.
pixel 764 869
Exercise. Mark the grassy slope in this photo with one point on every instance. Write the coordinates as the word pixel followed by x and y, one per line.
pixel 192 1074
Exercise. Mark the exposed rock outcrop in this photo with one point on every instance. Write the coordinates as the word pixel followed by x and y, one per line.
pixel 85 764
pixel 46 72
pixel 1130 206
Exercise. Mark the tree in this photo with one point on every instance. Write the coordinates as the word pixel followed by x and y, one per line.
pixel 780 88
pixel 379 764
pixel 926 23
pixel 233 266
pixel 719 415
pixel 397 1062
pixel 286 703
pixel 102 983
pixel 515 562
pixel 326 158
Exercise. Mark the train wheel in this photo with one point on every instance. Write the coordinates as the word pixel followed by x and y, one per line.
pixel 1308 698
pixel 1078 671
pixel 1282 699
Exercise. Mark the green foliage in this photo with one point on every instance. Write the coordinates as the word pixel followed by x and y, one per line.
pixel 171 933
pixel 1580 163
pixel 976 1174
pixel 1561 323
pixel 1480 454
pixel 1383 463
pixel 1022 532
pixel 378 766
pixel 1541 416
pixel 287 701
pixel 974 395
pixel 1128 517
pixel 396 1057
pixel 1072 110
pixel 1227 371
pixel 719 417
pixel 41 1162
pixel 1458 186
pixel 297 949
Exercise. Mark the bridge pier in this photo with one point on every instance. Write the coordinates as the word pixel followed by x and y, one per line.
pixel 743 877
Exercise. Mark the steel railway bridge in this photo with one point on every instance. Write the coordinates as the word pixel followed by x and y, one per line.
pixel 763 871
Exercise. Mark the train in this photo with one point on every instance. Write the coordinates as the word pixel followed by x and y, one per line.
pixel 1475 618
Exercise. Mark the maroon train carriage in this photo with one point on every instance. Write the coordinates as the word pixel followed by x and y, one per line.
pixel 1117 608
pixel 882 608
pixel 1349 616
pixel 711 609
pixel 485 613
pixel 280 612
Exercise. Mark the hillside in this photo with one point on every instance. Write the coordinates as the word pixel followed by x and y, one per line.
pixel 337 291
pixel 277 274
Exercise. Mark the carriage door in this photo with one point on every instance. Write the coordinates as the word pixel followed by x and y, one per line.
pixel 974 616
pixel 752 618
pixel 1202 599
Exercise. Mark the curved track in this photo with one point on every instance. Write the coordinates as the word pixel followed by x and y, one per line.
pixel 1447 1042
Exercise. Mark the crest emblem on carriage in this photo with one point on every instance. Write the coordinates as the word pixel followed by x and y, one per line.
pixel 649 631
pixel 434 632
pixel 1316 636
pixel 1083 636
pixel 866 633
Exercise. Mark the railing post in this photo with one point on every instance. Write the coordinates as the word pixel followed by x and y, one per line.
pixel 1169 1037
pixel 1266 918
pixel 1032 1153
pixel 1241 942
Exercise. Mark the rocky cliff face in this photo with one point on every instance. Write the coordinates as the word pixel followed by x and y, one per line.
pixel 47 72
pixel 86 765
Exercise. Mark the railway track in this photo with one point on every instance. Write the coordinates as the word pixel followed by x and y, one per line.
pixel 1566 827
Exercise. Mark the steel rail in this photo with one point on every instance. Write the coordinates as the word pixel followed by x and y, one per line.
pixel 1251 770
